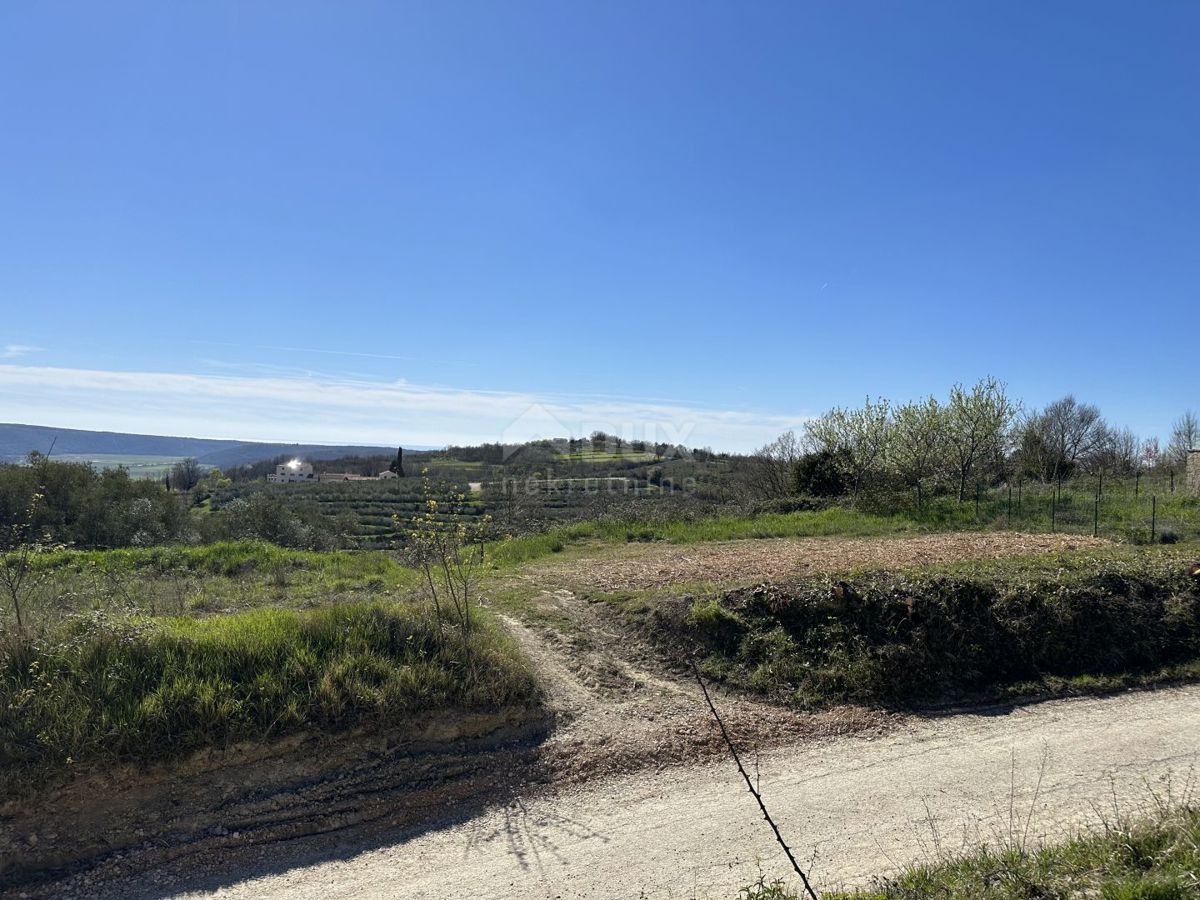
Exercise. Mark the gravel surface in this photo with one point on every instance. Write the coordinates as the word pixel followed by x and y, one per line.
pixel 851 807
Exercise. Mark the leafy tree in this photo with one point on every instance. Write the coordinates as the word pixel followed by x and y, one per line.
pixel 978 424
pixel 919 443
pixel 86 508
pixel 186 474
pixel 268 516
pixel 397 465
pixel 860 436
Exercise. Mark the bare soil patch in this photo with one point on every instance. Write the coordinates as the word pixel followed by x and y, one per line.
pixel 619 709
pixel 660 565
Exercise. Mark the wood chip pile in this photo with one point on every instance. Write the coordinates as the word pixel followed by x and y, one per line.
pixel 650 566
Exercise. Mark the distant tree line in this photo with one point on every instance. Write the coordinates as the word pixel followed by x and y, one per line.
pixel 73 504
pixel 83 507
pixel 977 435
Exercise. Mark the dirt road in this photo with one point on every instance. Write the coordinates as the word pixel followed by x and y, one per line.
pixel 861 805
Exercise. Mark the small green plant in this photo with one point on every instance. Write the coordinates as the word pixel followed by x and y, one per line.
pixel 447 547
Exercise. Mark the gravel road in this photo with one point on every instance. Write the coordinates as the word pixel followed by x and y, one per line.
pixel 852 806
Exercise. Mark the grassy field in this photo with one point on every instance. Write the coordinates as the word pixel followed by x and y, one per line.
pixel 141 655
pixel 138 466
pixel 209 579
pixel 1125 517
pixel 1153 858
pixel 115 634
pixel 1139 510
pixel 592 455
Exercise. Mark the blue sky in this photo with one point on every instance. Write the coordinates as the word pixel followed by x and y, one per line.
pixel 446 222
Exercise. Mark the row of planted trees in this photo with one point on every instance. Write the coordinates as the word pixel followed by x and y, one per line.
pixel 933 447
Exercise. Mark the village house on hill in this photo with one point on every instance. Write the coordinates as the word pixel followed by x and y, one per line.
pixel 291 472
pixel 299 471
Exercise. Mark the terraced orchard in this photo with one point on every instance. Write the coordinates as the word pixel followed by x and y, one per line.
pixel 365 509
pixel 368 511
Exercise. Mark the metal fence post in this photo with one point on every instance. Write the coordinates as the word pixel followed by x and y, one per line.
pixel 1096 520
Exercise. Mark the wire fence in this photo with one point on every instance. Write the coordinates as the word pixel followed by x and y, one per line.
pixel 1141 509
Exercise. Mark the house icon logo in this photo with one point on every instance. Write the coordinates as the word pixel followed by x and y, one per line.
pixel 537 423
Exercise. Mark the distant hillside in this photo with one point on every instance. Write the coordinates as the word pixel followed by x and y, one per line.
pixel 16 442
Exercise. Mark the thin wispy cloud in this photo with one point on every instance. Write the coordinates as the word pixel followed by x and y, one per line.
pixel 15 351
pixel 330 409
pixel 320 350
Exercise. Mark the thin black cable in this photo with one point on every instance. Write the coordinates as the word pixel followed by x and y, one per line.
pixel 750 786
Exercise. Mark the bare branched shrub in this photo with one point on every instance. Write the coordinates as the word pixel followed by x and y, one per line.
pixel 20 577
pixel 446 545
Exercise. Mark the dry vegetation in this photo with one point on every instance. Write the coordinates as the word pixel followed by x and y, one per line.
pixel 652 566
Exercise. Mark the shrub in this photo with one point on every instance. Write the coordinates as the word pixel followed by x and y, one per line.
pixel 716 626
pixel 822 474
pixel 898 637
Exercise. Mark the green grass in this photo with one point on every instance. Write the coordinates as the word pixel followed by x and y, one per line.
pixel 1076 622
pixel 112 688
pixel 143 654
pixel 1156 858
pixel 1126 511
pixel 590 455
pixel 448 462
pixel 209 579
pixel 221 558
